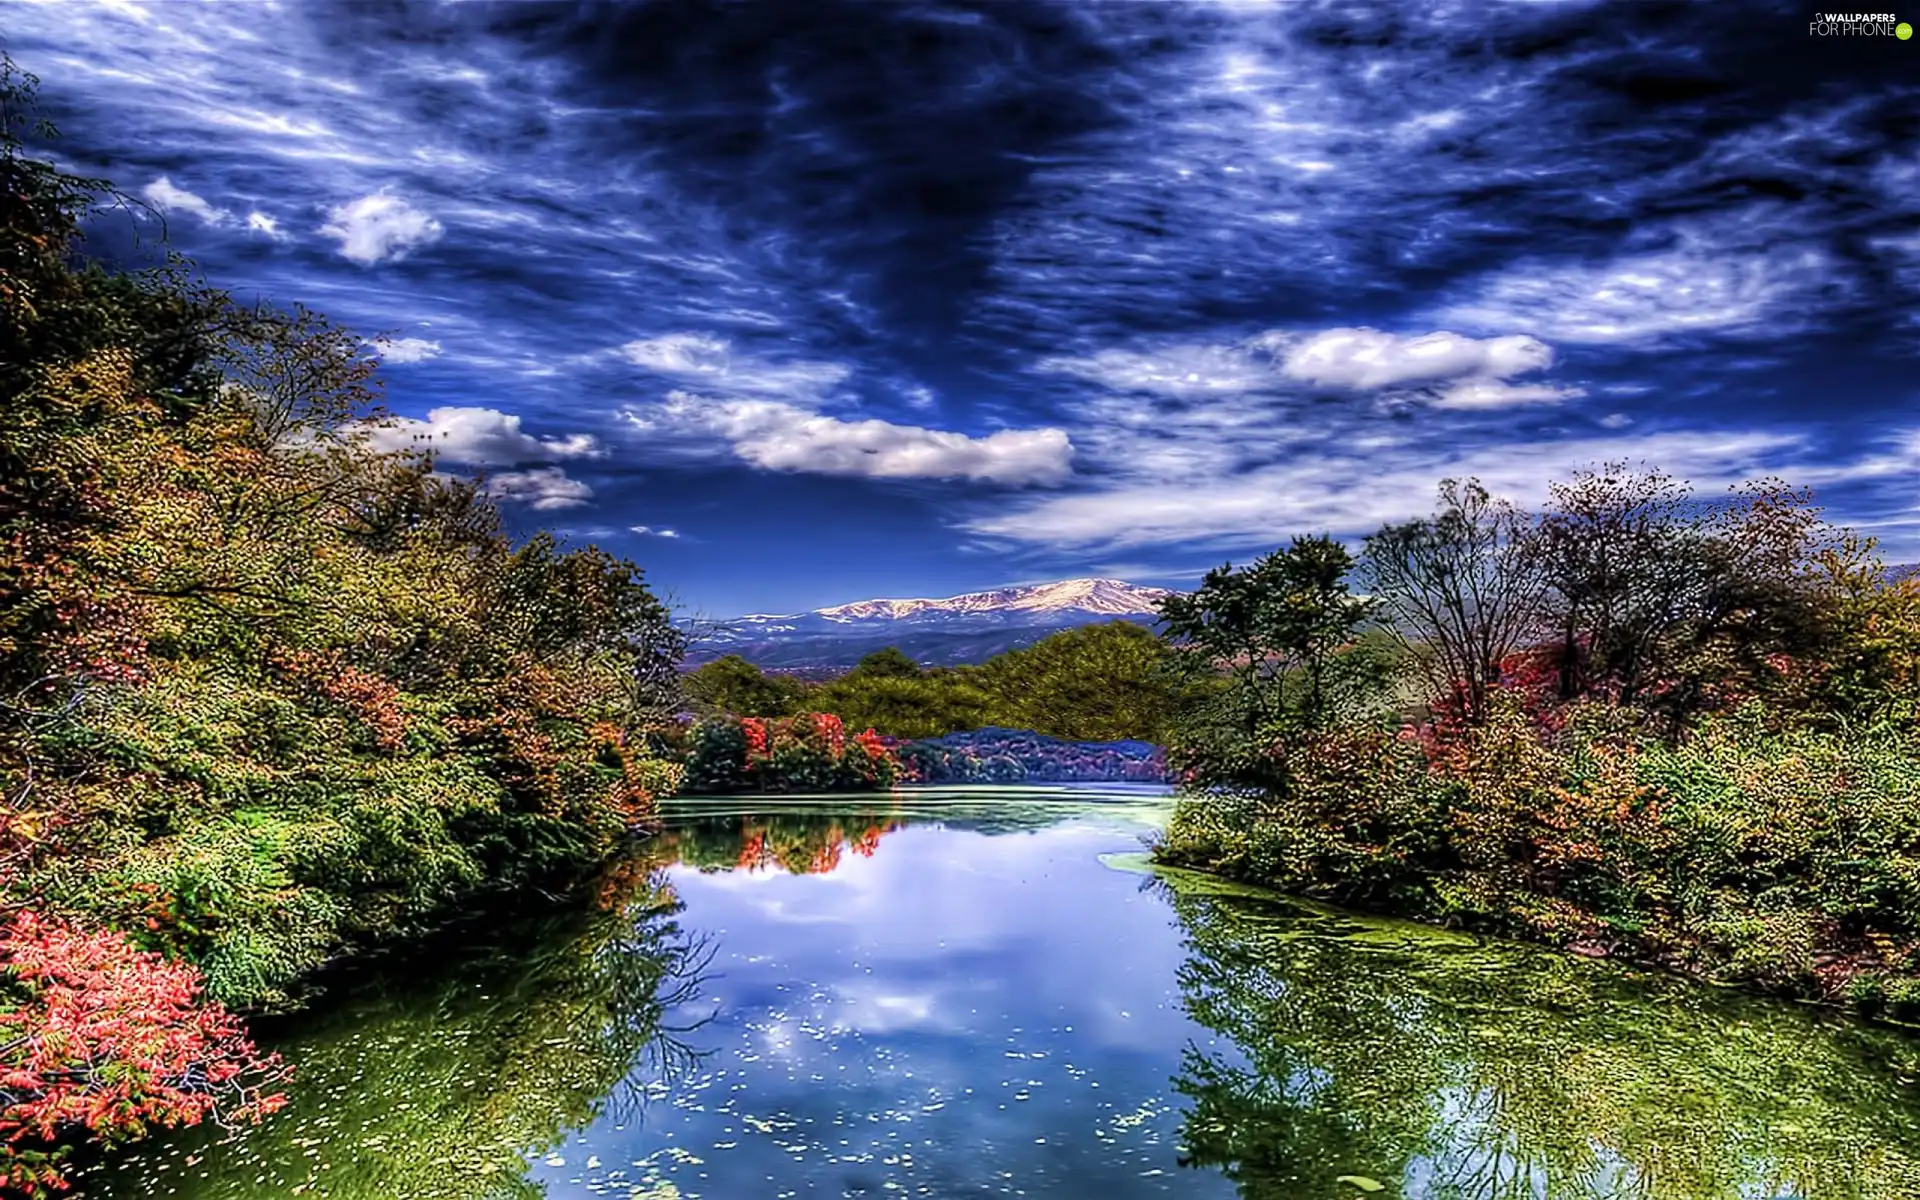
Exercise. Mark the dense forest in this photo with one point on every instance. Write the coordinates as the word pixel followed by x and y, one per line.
pixel 1641 723
pixel 1097 683
pixel 267 693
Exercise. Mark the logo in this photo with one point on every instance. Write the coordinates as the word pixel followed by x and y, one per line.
pixel 1836 24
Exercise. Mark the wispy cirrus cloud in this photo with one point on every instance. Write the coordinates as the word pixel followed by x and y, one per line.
pixel 714 362
pixel 1059 264
pixel 1350 490
pixel 1449 370
pixel 1644 298
pixel 1185 371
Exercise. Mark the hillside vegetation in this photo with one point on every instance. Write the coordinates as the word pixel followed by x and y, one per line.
pixel 1107 682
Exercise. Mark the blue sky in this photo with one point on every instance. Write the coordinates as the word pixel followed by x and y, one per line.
pixel 800 303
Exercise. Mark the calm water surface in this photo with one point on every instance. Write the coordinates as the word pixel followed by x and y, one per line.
pixel 980 992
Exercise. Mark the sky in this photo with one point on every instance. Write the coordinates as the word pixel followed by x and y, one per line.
pixel 799 303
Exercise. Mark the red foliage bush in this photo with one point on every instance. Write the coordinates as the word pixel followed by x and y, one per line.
pixel 755 730
pixel 805 752
pixel 98 1035
pixel 372 700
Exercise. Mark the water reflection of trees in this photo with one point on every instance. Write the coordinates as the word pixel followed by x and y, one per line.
pixel 813 838
pixel 1446 1069
pixel 799 841
pixel 441 1083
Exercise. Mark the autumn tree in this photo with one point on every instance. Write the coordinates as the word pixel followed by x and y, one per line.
pixel 1461 590
pixel 1864 669
pixel 268 692
pixel 1659 599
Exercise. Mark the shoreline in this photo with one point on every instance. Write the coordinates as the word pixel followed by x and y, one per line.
pixel 1835 1006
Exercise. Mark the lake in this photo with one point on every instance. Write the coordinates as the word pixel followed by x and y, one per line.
pixel 983 992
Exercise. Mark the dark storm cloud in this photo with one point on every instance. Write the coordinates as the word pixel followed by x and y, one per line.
pixel 1046 281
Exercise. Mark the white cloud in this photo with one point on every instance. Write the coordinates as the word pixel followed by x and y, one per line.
pixel 1647 297
pixel 1425 123
pixel 408 350
pixel 380 228
pixel 1149 437
pixel 1346 488
pixel 165 196
pixel 787 437
pixel 679 354
pixel 1897 456
pixel 1495 393
pixel 1366 359
pixel 259 222
pixel 713 362
pixel 542 488
pixel 480 437
pixel 1456 370
pixel 1181 371
pixel 651 531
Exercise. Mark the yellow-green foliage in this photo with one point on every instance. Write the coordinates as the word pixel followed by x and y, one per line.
pixel 447 1081
pixel 271 691
pixel 1440 1066
pixel 1107 682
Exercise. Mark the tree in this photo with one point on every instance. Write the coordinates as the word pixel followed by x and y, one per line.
pixel 1108 682
pixel 1461 589
pixel 1866 670
pixel 915 706
pixel 1284 636
pixel 98 1034
pixel 888 663
pixel 1616 547
pixel 1669 603
pixel 267 691
pixel 734 685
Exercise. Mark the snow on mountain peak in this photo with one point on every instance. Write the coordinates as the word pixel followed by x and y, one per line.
pixel 1113 597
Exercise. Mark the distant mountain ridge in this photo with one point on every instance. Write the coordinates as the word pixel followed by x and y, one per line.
pixel 956 629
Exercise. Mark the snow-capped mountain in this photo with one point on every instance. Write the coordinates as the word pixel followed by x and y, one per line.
pixel 1093 597
pixel 955 629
